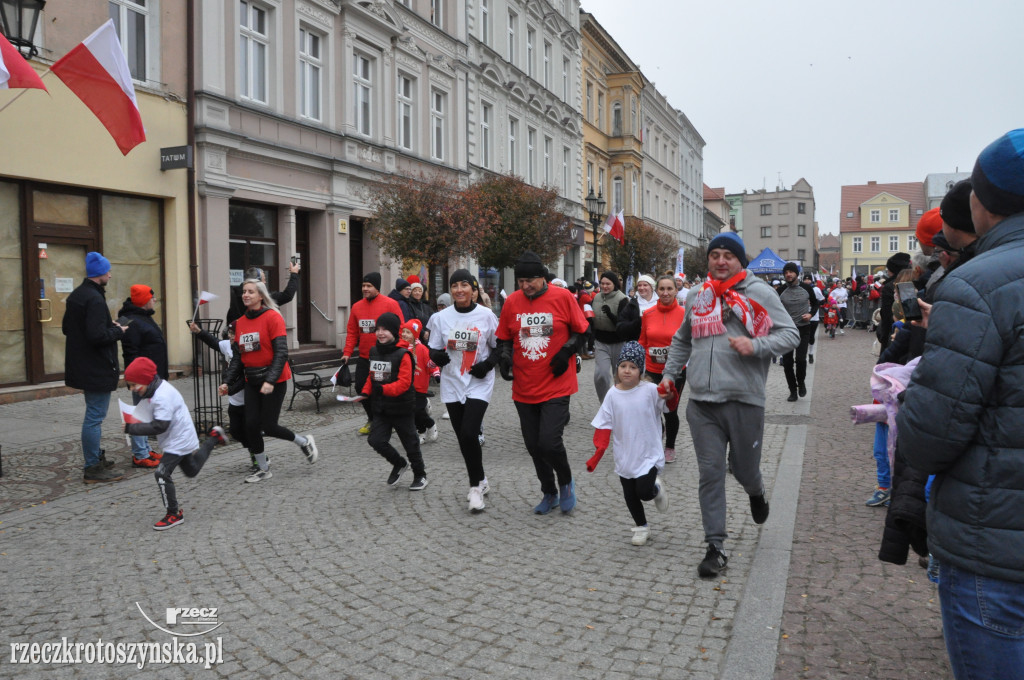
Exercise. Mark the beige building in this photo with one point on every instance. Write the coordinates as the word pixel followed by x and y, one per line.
pixel 66 189
pixel 876 222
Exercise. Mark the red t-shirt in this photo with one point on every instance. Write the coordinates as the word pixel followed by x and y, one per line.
pixel 657 326
pixel 254 337
pixel 362 323
pixel 538 328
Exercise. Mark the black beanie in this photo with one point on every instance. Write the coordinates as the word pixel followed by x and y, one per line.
pixel 614 278
pixel 955 208
pixel 791 267
pixel 731 242
pixel 401 284
pixel 529 266
pixel 897 263
pixel 373 278
pixel 460 275
pixel 389 321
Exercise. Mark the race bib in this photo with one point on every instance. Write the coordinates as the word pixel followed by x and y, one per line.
pixel 463 340
pixel 659 355
pixel 367 325
pixel 381 371
pixel 249 342
pixel 536 325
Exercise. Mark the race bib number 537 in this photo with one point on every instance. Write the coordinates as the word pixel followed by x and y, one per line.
pixel 367 325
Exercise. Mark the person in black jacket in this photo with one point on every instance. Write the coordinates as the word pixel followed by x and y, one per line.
pixel 281 297
pixel 143 339
pixel 802 304
pixel 90 360
pixel 401 294
pixel 894 265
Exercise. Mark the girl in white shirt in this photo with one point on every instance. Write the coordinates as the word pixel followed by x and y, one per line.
pixel 630 418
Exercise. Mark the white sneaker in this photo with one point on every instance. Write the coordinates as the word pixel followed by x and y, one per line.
pixel 446 416
pixel 480 438
pixel 429 407
pixel 432 433
pixel 661 500
pixel 842 332
pixel 476 499
pixel 310 450
pixel 423 438
pixel 259 476
pixel 640 535
pixel 485 487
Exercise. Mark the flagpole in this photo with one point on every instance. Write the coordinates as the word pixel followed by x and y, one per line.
pixel 22 91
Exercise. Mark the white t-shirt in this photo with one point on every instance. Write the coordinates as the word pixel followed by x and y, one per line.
pixel 180 438
pixel 634 417
pixel 821 298
pixel 839 295
pixel 237 399
pixel 468 338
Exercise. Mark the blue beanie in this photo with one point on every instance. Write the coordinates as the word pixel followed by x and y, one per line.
pixel 998 177
pixel 632 351
pixel 731 241
pixel 96 265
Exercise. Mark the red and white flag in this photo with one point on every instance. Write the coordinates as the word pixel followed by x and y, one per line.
pixel 616 226
pixel 15 72
pixel 97 71
pixel 205 297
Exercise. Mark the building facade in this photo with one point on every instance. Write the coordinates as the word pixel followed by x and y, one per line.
pixel 662 182
pixel 877 221
pixel 66 189
pixel 782 220
pixel 937 184
pixel 691 185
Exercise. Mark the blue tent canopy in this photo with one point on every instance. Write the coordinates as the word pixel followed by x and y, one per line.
pixel 767 262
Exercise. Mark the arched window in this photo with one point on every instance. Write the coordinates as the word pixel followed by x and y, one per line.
pixel 617 119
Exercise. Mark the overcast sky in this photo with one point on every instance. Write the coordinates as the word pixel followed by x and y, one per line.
pixel 834 92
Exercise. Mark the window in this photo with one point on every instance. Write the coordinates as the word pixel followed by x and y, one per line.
pixel 513 148
pixel 362 89
pixel 600 182
pixel 547 65
pixel 632 115
pixel 565 170
pixel 565 79
pixel 801 208
pixel 766 209
pixel 531 153
pixel 486 117
pixel 784 253
pixel 911 243
pixel 647 202
pixel 636 190
pixel 657 205
pixel 849 214
pixel 783 208
pixel 783 231
pixel 548 145
pixel 590 102
pixel 600 111
pixel 310 68
pixel 512 21
pixel 857 246
pixel 438 107
pixel 801 254
pixel 894 244
pixel 531 38
pixel 766 232
pixel 437 13
pixel 406 94
pixel 252 52
pixel 801 230
pixel 485 21
pixel 617 119
pixel 876 215
pixel 876 244
pixel 131 22
pixel 617 194
pixel 894 214
pixel 590 177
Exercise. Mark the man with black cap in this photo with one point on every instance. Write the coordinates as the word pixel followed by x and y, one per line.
pixel 607 304
pixel 401 294
pixel 90 360
pixel 799 300
pixel 894 265
pixel 961 421
pixel 734 324
pixel 361 333
pixel 538 333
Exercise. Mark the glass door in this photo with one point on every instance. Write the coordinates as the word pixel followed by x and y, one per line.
pixel 57 270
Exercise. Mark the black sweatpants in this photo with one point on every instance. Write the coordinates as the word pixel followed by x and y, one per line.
pixel 466 421
pixel 405 426
pixel 423 420
pixel 190 464
pixel 542 425
pixel 261 414
pixel 796 378
pixel 638 490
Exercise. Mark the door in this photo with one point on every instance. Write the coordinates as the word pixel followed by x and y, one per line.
pixel 57 269
pixel 302 307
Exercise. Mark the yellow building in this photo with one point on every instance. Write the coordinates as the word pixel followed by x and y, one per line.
pixel 876 222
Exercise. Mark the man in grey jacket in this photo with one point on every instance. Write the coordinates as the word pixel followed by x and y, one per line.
pixel 963 420
pixel 799 301
pixel 734 324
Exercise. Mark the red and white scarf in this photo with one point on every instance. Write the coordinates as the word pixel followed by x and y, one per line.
pixel 707 309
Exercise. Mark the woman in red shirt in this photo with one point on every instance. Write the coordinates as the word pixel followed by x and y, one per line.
pixel 260 350
pixel 657 326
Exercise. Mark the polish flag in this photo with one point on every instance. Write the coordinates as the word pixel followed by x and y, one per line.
pixel 97 72
pixel 616 226
pixel 14 70
pixel 205 297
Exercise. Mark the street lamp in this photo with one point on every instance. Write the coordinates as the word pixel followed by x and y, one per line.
pixel 595 206
pixel 18 19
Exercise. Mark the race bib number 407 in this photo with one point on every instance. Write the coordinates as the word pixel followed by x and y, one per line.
pixel 536 325
pixel 367 325
pixel 381 370
pixel 249 342
pixel 463 340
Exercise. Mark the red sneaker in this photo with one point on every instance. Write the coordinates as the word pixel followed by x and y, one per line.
pixel 145 462
pixel 154 454
pixel 170 520
pixel 217 433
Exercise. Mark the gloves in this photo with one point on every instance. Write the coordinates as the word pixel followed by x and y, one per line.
pixel 560 362
pixel 376 390
pixel 601 440
pixel 608 312
pixel 481 369
pixel 504 351
pixel 671 396
pixel 440 357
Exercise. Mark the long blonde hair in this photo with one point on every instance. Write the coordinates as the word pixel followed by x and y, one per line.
pixel 261 288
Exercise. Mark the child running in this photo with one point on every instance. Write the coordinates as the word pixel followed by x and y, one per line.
pixel 425 425
pixel 173 428
pixel 630 418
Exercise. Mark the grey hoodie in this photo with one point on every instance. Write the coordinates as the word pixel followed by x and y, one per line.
pixel 716 372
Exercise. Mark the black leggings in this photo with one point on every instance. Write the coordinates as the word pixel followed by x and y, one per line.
pixel 190 465
pixel 672 417
pixel 638 490
pixel 814 331
pixel 423 420
pixel 466 421
pixel 261 414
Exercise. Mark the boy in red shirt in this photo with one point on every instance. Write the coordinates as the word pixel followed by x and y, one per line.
pixel 411 330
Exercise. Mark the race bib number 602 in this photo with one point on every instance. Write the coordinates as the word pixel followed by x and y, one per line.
pixel 536 325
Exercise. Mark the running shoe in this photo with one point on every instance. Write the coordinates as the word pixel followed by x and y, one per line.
pixel 310 450
pixel 170 520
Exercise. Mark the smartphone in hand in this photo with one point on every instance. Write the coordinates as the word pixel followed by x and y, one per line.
pixel 907 295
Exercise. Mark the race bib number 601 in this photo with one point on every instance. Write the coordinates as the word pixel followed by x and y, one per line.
pixel 536 325
pixel 463 340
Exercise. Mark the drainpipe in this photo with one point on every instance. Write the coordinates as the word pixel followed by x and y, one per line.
pixel 193 258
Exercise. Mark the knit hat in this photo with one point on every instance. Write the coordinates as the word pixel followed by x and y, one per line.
pixel 401 284
pixel 529 266
pixel 414 325
pixel 444 299
pixel 391 322
pixel 141 371
pixel 588 286
pixel 956 207
pixel 998 177
pixel 929 224
pixel 731 241
pixel 559 282
pixel 413 280
pixel 460 275
pixel 632 351
pixel 897 263
pixel 791 267
pixel 648 280
pixel 416 285
pixel 373 278
pixel 96 265
pixel 141 295
pixel 939 241
pixel 614 278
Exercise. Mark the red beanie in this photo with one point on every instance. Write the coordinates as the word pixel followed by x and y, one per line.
pixel 412 279
pixel 929 225
pixel 141 371
pixel 414 325
pixel 141 295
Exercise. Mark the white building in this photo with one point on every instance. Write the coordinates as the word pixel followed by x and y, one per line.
pixel 662 161
pixel 691 184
